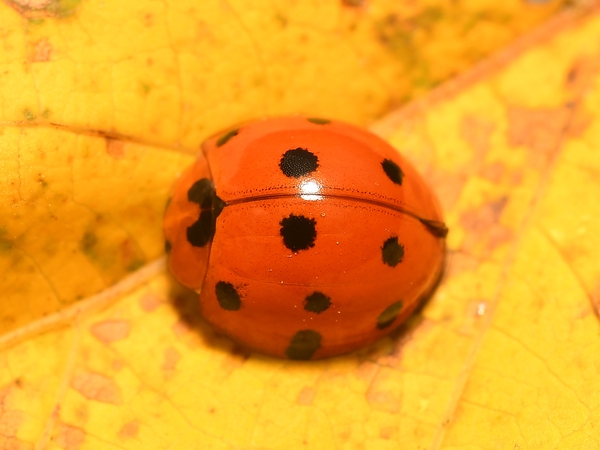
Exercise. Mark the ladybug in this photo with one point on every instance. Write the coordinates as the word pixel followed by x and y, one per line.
pixel 306 238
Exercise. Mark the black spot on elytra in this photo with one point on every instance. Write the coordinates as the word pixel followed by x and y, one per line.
pixel 303 345
pixel 167 246
pixel 392 252
pixel 318 121
pixel 317 302
pixel 225 138
pixel 202 230
pixel 228 296
pixel 298 162
pixel 393 171
pixel 202 192
pixel 389 314
pixel 298 232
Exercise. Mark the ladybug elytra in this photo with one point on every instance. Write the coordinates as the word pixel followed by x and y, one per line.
pixel 306 238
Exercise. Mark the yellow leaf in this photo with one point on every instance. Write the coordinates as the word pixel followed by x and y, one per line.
pixel 103 104
pixel 83 211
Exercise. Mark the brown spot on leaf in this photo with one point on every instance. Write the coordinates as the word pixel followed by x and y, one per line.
pixel 582 75
pixel 483 228
pixel 395 35
pixel 94 386
pixel 129 430
pixel 110 331
pixel 42 181
pixel 82 413
pixel 115 148
pixel 70 437
pixel 42 50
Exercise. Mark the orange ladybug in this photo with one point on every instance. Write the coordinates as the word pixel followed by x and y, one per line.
pixel 306 238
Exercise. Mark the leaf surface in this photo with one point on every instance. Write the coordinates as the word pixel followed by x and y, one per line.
pixel 103 349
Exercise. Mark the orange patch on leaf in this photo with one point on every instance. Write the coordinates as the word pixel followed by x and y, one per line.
pixel 579 123
pixel 150 302
pixel 115 148
pixel 10 419
pixel 453 186
pixel 493 172
pixel 12 443
pixel 41 51
pixel 110 331
pixel 94 386
pixel 306 396
pixel 366 371
pixel 117 365
pixel 129 430
pixel 388 433
pixel 482 226
pixel 70 437
pixel 539 130
pixel 583 75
